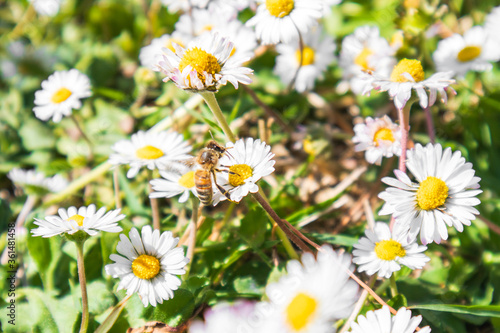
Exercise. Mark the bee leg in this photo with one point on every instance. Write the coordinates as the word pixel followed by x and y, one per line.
pixel 228 171
pixel 222 189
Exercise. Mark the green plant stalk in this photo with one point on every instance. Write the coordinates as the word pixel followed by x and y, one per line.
pixel 394 287
pixel 83 285
pixel 192 234
pixel 209 98
pixel 155 209
pixel 78 184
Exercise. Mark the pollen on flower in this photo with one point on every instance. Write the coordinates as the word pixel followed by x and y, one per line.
pixel 187 180
pixel 61 95
pixel 149 153
pixel 389 250
pixel 362 59
pixel 238 173
pixel 146 267
pixel 469 53
pixel 410 66
pixel 280 8
pixel 300 311
pixel 432 193
pixel 77 218
pixel 383 134
pixel 307 56
pixel 201 61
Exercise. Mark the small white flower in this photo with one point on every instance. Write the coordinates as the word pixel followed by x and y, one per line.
pixel 37 181
pixel 148 264
pixel 184 5
pixel 174 183
pixel 382 321
pixel 151 54
pixel 311 297
pixel 152 150
pixel 383 253
pixel 46 7
pixel 378 138
pixel 444 195
pixel 247 160
pixel 60 94
pixel 84 218
pixel 474 51
pixel 282 20
pixel 225 318
pixel 205 64
pixel 365 50
pixel 317 54
pixel 409 75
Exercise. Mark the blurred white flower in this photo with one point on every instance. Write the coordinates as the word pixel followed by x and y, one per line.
pixel 476 50
pixel 382 321
pixel 317 54
pixel 37 181
pixel 61 93
pixel 46 7
pixel 150 55
pixel 225 318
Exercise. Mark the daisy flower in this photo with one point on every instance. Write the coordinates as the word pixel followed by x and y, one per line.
pixel 150 55
pixel 61 93
pixel 383 253
pixel 445 194
pixel 378 138
pixel 174 183
pixel 382 321
pixel 148 264
pixel 282 20
pixel 205 64
pixel 365 50
pixel 311 297
pixel 409 75
pixel 317 53
pixel 247 161
pixel 492 24
pixel 225 318
pixel 474 51
pixel 153 150
pixel 84 218
pixel 46 7
pixel 37 182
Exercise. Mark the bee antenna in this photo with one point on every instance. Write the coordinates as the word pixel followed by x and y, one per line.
pixel 209 131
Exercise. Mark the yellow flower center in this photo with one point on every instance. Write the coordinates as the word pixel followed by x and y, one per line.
pixel 146 267
pixel 362 59
pixel 61 95
pixel 389 250
pixel 410 66
pixel 77 218
pixel 279 8
pixel 300 311
pixel 238 173
pixel 149 153
pixel 187 180
pixel 469 53
pixel 383 134
pixel 201 61
pixel 432 193
pixel 169 44
pixel 307 56
pixel 208 27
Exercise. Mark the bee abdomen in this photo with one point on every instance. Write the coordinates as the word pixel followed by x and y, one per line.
pixel 203 184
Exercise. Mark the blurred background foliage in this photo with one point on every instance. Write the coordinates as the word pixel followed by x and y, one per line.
pixel 237 252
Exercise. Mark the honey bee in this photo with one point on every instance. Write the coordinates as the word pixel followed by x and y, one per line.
pixel 208 159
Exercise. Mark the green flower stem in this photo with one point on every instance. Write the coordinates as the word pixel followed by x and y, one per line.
pixel 209 97
pixel 394 287
pixel 155 210
pixel 430 125
pixel 83 285
pixel 404 125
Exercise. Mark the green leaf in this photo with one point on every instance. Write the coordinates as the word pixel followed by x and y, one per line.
pixel 253 227
pixel 40 250
pixel 111 319
pixel 36 135
pixel 175 311
pixel 475 310
pixel 335 239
